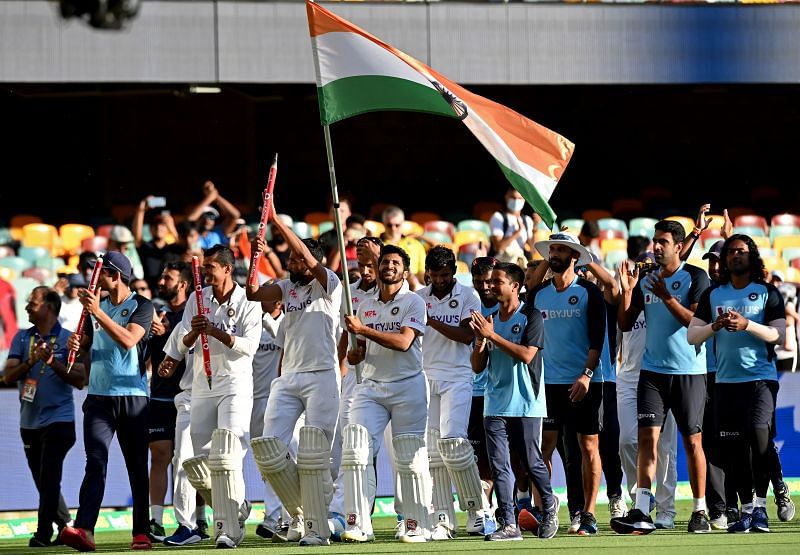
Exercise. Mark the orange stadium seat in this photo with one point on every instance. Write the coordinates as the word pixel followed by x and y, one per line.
pixel 123 213
pixel 423 217
pixel 786 219
pixel 484 209
pixel 72 235
pixel 18 221
pixel 686 222
pixel 595 214
pixel 317 218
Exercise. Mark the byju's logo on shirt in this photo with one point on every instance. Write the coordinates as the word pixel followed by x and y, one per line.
pixel 565 313
pixel 649 298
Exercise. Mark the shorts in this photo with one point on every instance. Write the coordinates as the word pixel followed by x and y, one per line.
pixel 585 417
pixel 161 421
pixel 683 394
pixel 741 407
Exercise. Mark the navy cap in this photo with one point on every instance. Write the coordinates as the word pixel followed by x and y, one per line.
pixel 118 262
pixel 76 280
pixel 715 250
pixel 646 257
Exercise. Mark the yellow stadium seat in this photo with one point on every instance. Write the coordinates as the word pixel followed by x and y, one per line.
pixel 609 245
pixel 40 235
pixel 783 241
pixel 774 263
pixel 461 267
pixel 470 236
pixel 716 221
pixel 72 235
pixel 7 273
pixel 687 223
pixel 761 242
pixel 18 222
pixel 411 228
pixel 374 228
pixel 792 275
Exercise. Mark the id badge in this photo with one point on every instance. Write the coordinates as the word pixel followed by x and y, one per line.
pixel 29 390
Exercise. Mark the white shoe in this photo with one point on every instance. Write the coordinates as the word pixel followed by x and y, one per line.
pixel 224 542
pixel 574 523
pixel 415 533
pixel 664 521
pixel 294 532
pixel 354 534
pixel 442 532
pixel 312 538
pixel 475 520
pixel 617 506
pixel 336 525
pixel 399 529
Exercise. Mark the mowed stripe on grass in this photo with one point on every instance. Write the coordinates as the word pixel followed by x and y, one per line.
pixel 784 538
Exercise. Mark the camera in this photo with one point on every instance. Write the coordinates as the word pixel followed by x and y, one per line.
pixel 644 268
pixel 156 202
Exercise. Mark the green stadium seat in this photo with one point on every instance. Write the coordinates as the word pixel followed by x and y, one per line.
pixel 614 258
pixel 325 226
pixel 613 224
pixel 780 230
pixel 475 225
pixel 16 263
pixel 573 224
pixel 23 287
pixel 751 230
pixel 643 227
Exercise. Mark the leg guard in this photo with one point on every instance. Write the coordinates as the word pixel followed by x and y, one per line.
pixel 316 485
pixel 443 511
pixel 357 487
pixel 279 470
pixel 412 469
pixel 199 476
pixel 225 463
pixel 459 458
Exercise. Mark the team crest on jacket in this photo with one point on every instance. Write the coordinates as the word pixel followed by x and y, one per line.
pixel 124 312
pixel 752 296
pixel 395 310
pixel 453 303
pixel 676 285
pixel 573 300
pixel 231 312
pixel 516 328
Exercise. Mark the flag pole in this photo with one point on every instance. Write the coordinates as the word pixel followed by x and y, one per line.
pixel 337 221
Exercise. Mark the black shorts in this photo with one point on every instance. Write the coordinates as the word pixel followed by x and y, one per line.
pixel 161 423
pixel 684 395
pixel 741 407
pixel 475 430
pixel 585 417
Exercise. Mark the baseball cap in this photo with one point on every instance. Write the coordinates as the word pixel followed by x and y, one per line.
pixel 210 212
pixel 118 262
pixel 715 250
pixel 121 234
pixel 76 280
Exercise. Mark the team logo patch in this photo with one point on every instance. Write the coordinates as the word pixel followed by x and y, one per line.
pixel 573 300
pixel 516 329
pixel 453 303
pixel 351 519
pixel 544 315
pixel 395 310
pixel 124 312
pixel 231 312
pixel 752 296
pixel 676 285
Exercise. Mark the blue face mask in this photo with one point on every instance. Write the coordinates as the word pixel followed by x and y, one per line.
pixel 515 204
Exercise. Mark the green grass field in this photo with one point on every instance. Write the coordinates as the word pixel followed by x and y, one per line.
pixel 784 538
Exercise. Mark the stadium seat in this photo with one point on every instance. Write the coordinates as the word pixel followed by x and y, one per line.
pixel 440 226
pixel 625 208
pixel 642 226
pixel 16 263
pixel 327 225
pixel 793 274
pixel 686 222
pixel 23 286
pixel 614 258
pixel 95 244
pixel 761 242
pixel 781 243
pixel 573 225
pixel 436 238
pixel 40 235
pixel 751 230
pixel 785 219
pixel 72 235
pixel 19 221
pixel 422 217
pixel 609 245
pixel 736 211
pixel 612 234
pixel 5 250
pixel 5 236
pixel 304 230
pixel 462 267
pixel 710 236
pixel 780 229
pixel 43 275
pixel 613 224
pixel 789 254
pixel 772 263
pixel 717 221
pixel 796 263
pixel 411 228
pixel 376 210
pixel 7 274
pixel 484 209
pixel 374 228
pixel 104 230
pixel 33 254
pixel 123 213
pixel 595 214
pixel 752 220
pixel 470 236
pixel 698 262
pixel 478 225
pixel 316 218
pixel 464 279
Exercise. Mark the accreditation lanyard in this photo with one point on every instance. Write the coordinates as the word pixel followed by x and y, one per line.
pixel 30 384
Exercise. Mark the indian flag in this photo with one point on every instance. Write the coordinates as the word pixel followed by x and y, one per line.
pixel 359 73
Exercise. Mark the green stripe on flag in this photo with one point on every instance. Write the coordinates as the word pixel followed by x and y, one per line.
pixel 531 194
pixel 351 96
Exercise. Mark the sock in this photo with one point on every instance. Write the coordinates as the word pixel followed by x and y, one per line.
pixel 747 508
pixel 761 502
pixel 157 513
pixel 200 513
pixel 643 500
pixel 699 504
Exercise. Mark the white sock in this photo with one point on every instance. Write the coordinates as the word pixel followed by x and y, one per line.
pixel 699 504
pixel 761 502
pixel 643 500
pixel 157 513
pixel 747 508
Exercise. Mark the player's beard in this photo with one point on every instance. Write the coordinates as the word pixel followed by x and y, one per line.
pixel 167 294
pixel 297 277
pixel 559 266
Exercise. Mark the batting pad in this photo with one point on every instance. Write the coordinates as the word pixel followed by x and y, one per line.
pixel 199 476
pixel 444 512
pixel 358 488
pixel 225 462
pixel 411 458
pixel 316 485
pixel 459 457
pixel 279 470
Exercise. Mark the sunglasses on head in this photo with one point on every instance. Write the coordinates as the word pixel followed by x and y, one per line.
pixel 363 241
pixel 484 261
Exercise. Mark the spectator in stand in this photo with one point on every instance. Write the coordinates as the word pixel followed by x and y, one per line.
pixel 353 231
pixel 141 287
pixel 121 239
pixel 786 354
pixel 511 231
pixel 589 237
pixel 8 317
pixel 393 218
pixel 47 416
pixel 214 231
pixel 154 252
pixel 328 240
pixel 71 307
pixel 188 243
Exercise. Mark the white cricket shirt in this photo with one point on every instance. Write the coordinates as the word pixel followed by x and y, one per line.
pixel 267 357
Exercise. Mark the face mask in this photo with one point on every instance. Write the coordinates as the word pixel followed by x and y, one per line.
pixel 515 204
